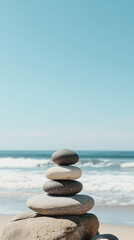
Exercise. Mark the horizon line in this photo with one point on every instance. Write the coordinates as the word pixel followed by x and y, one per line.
pixel 67 148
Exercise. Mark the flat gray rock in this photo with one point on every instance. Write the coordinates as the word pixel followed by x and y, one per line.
pixel 65 157
pixel 63 173
pixel 30 226
pixel 50 205
pixel 62 187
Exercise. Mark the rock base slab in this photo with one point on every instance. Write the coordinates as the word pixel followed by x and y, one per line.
pixel 30 226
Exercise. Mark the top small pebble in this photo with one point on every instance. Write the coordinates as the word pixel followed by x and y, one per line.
pixel 65 157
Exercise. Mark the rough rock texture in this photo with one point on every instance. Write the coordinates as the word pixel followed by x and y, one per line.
pixel 51 205
pixel 62 187
pixel 63 173
pixel 65 157
pixel 30 226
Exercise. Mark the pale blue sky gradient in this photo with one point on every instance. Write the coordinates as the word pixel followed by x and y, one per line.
pixel 67 74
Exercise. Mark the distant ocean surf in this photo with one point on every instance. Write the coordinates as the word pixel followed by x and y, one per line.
pixel 108 176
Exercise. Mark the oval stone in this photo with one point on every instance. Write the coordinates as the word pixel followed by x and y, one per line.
pixel 65 157
pixel 60 206
pixel 63 187
pixel 63 173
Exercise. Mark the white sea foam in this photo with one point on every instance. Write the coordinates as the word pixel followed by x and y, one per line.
pixel 127 165
pixel 110 188
pixel 108 182
pixel 22 162
pixel 22 176
pixel 98 163
pixel 21 180
pixel 106 188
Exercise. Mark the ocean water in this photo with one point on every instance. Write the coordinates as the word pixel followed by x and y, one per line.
pixel 108 176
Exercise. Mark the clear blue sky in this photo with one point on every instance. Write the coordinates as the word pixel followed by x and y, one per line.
pixel 67 74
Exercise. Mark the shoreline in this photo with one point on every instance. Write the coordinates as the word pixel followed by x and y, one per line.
pixel 115 214
pixel 123 232
pixel 107 214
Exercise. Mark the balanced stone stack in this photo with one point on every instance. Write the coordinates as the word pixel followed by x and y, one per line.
pixel 61 196
pixel 61 211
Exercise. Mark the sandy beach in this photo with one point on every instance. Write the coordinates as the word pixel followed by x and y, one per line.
pixel 122 232
pixel 4 219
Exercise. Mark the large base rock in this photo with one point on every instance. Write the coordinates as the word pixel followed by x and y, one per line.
pixel 30 226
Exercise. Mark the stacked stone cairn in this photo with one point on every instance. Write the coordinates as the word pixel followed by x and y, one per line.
pixel 61 196
pixel 60 212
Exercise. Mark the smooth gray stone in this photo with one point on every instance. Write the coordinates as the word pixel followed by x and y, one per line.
pixel 105 237
pixel 51 205
pixel 63 173
pixel 65 157
pixel 62 187
pixel 31 226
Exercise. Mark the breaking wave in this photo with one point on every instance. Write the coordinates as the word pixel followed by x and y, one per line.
pixel 9 162
pixel 23 162
pixel 109 178
pixel 127 165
